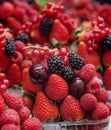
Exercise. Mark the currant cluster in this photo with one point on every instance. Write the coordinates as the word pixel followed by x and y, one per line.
pixel 4 83
pixel 2 37
pixel 97 32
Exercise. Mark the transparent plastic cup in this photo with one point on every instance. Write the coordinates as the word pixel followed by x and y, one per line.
pixel 79 125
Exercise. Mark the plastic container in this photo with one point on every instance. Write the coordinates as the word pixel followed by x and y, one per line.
pixel 79 125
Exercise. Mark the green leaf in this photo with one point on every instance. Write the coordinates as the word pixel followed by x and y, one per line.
pixel 42 3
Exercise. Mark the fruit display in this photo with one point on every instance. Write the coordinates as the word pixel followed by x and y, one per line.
pixel 55 65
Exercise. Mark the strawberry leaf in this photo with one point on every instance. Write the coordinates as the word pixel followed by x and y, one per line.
pixel 42 3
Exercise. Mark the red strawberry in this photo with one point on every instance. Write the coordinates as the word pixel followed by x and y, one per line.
pixel 13 74
pixel 102 95
pixel 93 86
pixel 10 127
pixel 9 116
pixel 4 61
pixel 13 24
pixel 100 112
pixel 70 109
pixel 44 110
pixel 28 84
pixel 24 113
pixel 6 10
pixel 87 72
pixel 56 88
pixel 106 58
pixel 28 101
pixel 13 100
pixel 92 58
pixel 32 124
pixel 107 78
pixel 88 102
pixel 59 32
pixel 2 104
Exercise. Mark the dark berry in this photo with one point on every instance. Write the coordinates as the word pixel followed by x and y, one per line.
pixel 46 26
pixel 9 47
pixel 22 37
pixel 1 1
pixel 38 73
pixel 105 42
pixel 30 1
pixel 55 64
pixel 68 74
pixel 77 88
pixel 75 61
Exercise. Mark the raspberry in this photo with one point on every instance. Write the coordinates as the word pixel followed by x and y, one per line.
pixel 19 45
pixel 32 124
pixel 88 102
pixel 10 127
pixel 24 114
pixel 102 95
pixel 9 116
pixel 100 112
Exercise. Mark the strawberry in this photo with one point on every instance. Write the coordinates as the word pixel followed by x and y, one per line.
pixel 87 72
pixel 56 88
pixel 4 61
pixel 88 102
pixel 2 104
pixel 44 110
pixel 32 124
pixel 102 95
pixel 107 78
pixel 28 84
pixel 106 58
pixel 13 100
pixel 24 113
pixel 10 127
pixel 6 10
pixel 9 116
pixel 59 32
pixel 100 112
pixel 93 86
pixel 13 74
pixel 92 57
pixel 28 101
pixel 13 24
pixel 70 109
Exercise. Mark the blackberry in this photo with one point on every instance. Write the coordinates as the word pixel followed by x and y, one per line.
pixel 38 73
pixel 75 61
pixel 22 37
pixel 55 64
pixel 68 74
pixel 105 42
pixel 9 47
pixel 1 1
pixel 46 26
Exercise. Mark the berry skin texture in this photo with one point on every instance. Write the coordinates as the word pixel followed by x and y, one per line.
pixel 106 58
pixel 44 110
pixel 32 124
pixel 108 104
pixel 56 88
pixel 24 113
pixel 10 127
pixel 59 32
pixel 19 45
pixel 13 100
pixel 2 104
pixel 100 112
pixel 28 84
pixel 9 116
pixel 102 95
pixel 88 102
pixel 93 86
pixel 87 72
pixel 26 64
pixel 107 78
pixel 70 109
pixel 13 74
pixel 4 61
